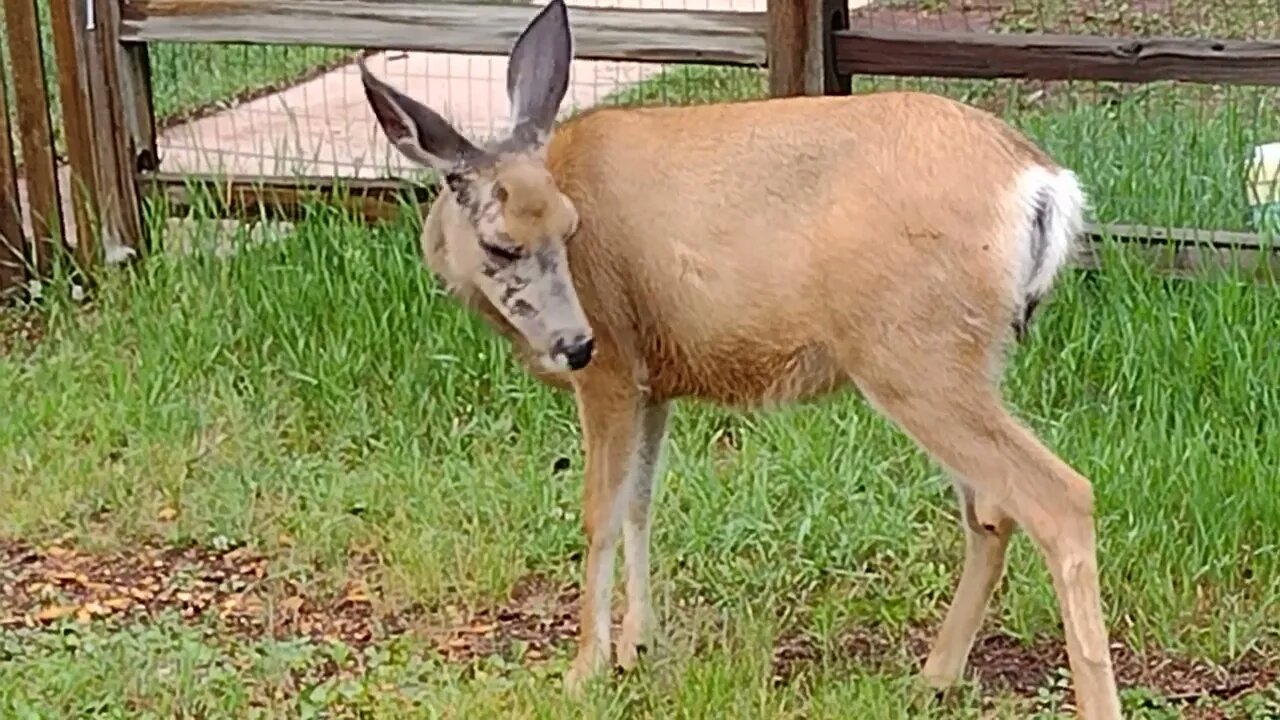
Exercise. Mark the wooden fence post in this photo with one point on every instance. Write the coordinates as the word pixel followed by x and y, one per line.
pixel 117 181
pixel 69 45
pixel 139 114
pixel 802 49
pixel 13 242
pixel 835 17
pixel 34 129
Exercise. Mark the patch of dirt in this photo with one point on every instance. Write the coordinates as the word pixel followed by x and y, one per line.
pixel 540 616
pixel 47 585
pixel 19 329
pixel 1003 664
pixel 40 586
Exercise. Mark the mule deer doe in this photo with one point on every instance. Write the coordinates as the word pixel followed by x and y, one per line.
pixel 755 253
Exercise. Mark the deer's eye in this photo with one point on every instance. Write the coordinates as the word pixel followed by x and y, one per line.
pixel 499 252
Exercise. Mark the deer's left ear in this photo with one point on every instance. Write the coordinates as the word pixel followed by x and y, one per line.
pixel 538 74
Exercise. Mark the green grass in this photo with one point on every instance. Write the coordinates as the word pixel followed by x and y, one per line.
pixel 267 395
pixel 320 397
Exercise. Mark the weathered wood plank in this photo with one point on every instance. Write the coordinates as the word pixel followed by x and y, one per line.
pixel 69 46
pixel 1187 252
pixel 35 132
pixel 801 52
pixel 599 34
pixel 788 38
pixel 1151 235
pixel 139 113
pixel 117 159
pixel 279 198
pixel 13 242
pixel 834 17
pixel 1058 57
pixel 1192 261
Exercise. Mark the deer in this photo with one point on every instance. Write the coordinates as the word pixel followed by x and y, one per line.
pixel 760 252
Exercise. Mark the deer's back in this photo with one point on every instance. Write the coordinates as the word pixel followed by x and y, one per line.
pixel 732 247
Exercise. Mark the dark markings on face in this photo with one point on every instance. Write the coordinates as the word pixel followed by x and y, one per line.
pixel 546 261
pixel 520 308
pixel 476 205
pixel 512 284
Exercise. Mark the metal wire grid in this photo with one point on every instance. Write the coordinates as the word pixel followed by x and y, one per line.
pixel 323 125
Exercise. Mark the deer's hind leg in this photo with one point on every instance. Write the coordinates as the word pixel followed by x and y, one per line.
pixel 987 531
pixel 943 396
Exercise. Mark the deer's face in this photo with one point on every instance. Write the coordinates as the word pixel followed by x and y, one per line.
pixel 506 230
pixel 505 221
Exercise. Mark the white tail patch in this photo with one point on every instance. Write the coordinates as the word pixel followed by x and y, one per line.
pixel 1052 204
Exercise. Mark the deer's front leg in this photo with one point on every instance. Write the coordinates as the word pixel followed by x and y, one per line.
pixel 611 420
pixel 638 622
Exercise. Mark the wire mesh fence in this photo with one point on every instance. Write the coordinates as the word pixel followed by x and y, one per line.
pixel 323 126
pixel 1163 153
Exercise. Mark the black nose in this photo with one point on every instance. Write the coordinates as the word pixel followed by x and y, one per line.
pixel 578 353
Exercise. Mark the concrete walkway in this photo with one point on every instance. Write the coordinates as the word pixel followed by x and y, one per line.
pixel 324 126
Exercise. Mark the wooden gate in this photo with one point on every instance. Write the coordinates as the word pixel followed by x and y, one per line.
pixel 61 202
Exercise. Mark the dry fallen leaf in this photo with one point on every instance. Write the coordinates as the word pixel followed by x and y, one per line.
pixel 240 552
pixel 292 604
pixel 55 612
pixel 117 603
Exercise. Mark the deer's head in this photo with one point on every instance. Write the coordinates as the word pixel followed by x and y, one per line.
pixel 504 220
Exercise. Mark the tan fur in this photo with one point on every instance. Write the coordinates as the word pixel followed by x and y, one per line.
pixel 769 252
pixel 750 296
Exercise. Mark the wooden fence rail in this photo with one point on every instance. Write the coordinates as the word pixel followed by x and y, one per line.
pixel 1057 57
pixel 671 36
pixel 796 29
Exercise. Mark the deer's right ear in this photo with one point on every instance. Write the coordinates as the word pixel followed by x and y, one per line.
pixel 415 129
